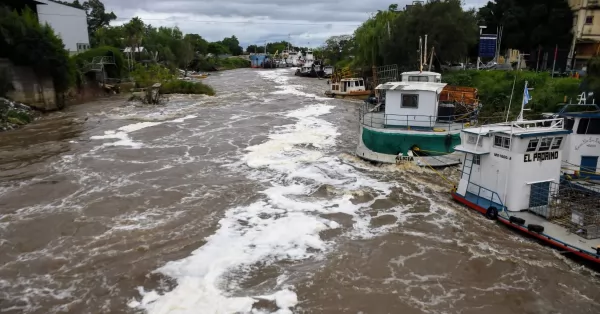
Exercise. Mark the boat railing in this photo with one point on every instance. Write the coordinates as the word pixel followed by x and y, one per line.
pixel 380 120
pixel 486 198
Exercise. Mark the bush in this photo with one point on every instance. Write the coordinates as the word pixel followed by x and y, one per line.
pixel 495 87
pixel 232 63
pixel 113 71
pixel 27 43
pixel 186 87
pixel 145 76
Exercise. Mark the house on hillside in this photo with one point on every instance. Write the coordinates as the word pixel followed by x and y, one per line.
pixel 586 31
pixel 69 23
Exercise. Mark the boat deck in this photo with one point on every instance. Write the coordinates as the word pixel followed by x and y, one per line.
pixel 380 120
pixel 452 159
pixel 557 232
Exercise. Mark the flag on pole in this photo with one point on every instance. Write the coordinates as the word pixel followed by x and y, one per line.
pixel 526 97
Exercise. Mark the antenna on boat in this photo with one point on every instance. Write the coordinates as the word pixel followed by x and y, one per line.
pixel 420 54
pixel 425 49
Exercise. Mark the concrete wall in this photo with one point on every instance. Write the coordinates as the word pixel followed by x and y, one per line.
pixel 29 88
pixel 68 23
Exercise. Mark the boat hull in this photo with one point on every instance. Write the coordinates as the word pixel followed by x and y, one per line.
pixel 385 145
pixel 361 96
pixel 556 243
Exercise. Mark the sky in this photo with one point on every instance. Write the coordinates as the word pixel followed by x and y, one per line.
pixel 303 22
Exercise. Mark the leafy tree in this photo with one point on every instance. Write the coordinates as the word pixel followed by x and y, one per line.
pixel 217 49
pixel 25 42
pixel 97 15
pixel 110 36
pixel 530 24
pixel 134 32
pixel 199 44
pixel 233 45
pixel 338 48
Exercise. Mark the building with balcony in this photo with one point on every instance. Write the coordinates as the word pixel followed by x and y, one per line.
pixel 586 32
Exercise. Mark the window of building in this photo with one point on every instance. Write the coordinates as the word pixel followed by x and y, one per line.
pixel 556 143
pixel 410 101
pixel 545 144
pixel 418 79
pixel 589 19
pixel 502 141
pixel 532 145
pixel 476 159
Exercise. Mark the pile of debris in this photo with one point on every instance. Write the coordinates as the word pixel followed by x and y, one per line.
pixel 13 115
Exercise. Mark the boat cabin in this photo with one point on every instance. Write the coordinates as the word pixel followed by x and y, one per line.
pixel 348 86
pixel 424 76
pixel 505 164
pixel 411 104
pixel 309 55
pixel 582 151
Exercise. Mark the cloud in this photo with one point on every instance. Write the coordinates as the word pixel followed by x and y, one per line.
pixel 305 22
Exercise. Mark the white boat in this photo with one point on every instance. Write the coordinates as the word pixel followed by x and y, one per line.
pixel 351 87
pixel 417 116
pixel 512 173
pixel 581 159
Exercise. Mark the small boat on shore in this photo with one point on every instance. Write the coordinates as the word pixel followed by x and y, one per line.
pixel 348 88
pixel 511 173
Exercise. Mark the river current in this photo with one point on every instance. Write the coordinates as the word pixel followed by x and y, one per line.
pixel 250 201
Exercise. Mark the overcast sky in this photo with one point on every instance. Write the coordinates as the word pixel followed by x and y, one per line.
pixel 306 22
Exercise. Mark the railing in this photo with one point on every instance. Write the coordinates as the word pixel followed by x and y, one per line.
pixel 485 197
pixel 374 118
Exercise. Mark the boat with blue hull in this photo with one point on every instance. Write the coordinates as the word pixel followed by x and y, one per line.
pixel 511 173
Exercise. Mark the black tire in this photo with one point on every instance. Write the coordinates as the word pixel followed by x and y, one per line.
pixel 535 228
pixel 492 213
pixel 516 220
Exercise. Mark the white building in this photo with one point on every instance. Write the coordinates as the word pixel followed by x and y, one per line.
pixel 69 23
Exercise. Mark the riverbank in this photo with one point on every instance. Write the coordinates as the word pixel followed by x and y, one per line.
pixel 14 115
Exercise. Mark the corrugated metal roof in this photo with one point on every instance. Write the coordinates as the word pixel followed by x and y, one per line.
pixel 413 86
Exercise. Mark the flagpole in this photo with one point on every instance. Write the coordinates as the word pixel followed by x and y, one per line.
pixel 511 96
pixel 525 95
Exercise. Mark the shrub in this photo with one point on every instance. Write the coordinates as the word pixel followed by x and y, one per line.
pixel 186 87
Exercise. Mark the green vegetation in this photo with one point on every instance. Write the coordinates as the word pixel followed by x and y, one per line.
pixel 186 87
pixel 26 42
pixel 232 63
pixel 154 73
pixel 117 71
pixel 495 87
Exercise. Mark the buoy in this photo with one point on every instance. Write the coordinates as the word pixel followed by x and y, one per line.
pixel 535 228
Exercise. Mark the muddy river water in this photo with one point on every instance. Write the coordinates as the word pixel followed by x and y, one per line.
pixel 250 202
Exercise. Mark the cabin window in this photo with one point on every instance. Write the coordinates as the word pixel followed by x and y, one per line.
pixel 545 144
pixel 557 142
pixel 410 101
pixel 593 127
pixel 532 145
pixel 472 139
pixel 476 159
pixel 418 79
pixel 502 141
pixel 569 124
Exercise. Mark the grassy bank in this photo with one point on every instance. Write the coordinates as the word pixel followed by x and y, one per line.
pixel 495 88
pixel 232 63
pixel 186 87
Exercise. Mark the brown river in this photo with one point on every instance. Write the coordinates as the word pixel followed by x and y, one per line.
pixel 250 201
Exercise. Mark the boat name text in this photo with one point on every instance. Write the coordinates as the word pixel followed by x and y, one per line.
pixel 541 156
pixel 502 156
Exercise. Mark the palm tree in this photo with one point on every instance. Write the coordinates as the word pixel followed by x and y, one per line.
pixel 134 31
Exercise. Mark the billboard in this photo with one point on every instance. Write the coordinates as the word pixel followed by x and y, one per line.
pixel 487 46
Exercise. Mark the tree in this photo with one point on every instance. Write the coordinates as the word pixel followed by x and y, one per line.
pixel 199 45
pixel 217 49
pixel 134 32
pixel 233 45
pixel 27 43
pixel 338 48
pixel 530 24
pixel 96 15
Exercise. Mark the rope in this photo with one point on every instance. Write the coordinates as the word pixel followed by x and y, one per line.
pixel 453 184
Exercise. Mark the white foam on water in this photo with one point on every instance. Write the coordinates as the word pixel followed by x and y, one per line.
pixel 279 76
pixel 283 226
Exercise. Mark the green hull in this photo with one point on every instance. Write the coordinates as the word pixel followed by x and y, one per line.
pixel 393 143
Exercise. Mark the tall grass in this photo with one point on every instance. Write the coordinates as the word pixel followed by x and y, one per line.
pixel 495 87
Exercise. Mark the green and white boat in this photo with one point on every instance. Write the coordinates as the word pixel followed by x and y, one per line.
pixel 417 119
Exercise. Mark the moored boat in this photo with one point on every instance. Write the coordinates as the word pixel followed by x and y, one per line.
pixel 351 87
pixel 418 116
pixel 512 173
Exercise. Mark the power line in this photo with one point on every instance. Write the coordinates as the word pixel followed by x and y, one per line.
pixel 221 22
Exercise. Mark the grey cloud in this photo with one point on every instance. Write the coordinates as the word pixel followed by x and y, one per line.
pixel 270 20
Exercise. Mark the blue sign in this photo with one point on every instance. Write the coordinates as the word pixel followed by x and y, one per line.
pixel 487 46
